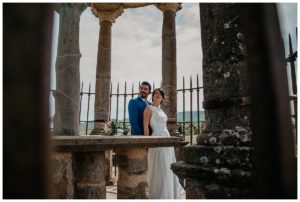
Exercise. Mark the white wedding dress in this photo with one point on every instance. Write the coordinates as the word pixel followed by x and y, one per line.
pixel 163 183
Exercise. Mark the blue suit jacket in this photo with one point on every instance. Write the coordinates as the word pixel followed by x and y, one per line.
pixel 136 107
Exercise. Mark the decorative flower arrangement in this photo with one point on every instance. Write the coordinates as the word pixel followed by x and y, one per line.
pixel 111 128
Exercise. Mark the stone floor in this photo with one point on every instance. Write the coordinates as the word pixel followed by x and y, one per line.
pixel 111 191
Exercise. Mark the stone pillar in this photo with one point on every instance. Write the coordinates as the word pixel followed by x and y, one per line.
pixel 132 177
pixel 169 68
pixel 103 75
pixel 103 72
pixel 221 164
pixel 90 175
pixel 67 98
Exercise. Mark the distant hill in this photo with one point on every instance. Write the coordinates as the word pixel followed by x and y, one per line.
pixel 188 116
pixel 179 118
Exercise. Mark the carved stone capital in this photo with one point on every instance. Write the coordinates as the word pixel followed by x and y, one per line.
pixel 107 12
pixel 168 6
pixel 109 16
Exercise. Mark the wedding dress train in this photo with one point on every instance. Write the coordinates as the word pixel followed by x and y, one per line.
pixel 163 183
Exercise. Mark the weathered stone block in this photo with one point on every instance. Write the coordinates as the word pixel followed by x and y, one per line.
pixel 137 192
pixel 134 161
pixel 62 176
pixel 88 166
pixel 89 171
pixel 132 179
pixel 90 191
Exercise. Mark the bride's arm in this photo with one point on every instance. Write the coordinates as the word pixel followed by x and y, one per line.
pixel 147 116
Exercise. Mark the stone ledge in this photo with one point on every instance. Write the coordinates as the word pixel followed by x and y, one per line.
pixel 101 143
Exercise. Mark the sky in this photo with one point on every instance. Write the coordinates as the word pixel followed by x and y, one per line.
pixel 136 53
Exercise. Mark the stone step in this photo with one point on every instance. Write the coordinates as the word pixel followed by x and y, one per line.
pixel 226 156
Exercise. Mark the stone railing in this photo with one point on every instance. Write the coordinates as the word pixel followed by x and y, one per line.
pixel 79 165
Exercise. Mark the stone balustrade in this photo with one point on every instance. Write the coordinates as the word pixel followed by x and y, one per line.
pixel 79 165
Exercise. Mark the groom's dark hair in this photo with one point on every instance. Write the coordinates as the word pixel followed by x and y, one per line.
pixel 148 84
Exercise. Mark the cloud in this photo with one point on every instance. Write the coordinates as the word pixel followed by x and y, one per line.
pixel 136 44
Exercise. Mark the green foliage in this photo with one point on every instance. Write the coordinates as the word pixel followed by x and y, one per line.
pixel 126 129
pixel 179 128
pixel 114 127
pixel 190 128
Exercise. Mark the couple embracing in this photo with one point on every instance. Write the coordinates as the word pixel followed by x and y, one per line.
pixel 149 119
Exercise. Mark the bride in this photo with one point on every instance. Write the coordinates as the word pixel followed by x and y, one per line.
pixel 163 184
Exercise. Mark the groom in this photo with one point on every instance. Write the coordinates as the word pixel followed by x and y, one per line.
pixel 136 107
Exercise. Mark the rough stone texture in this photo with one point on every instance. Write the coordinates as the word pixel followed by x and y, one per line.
pixel 103 77
pixel 227 156
pixel 91 191
pixel 133 165
pixel 138 192
pixel 221 164
pixel 231 117
pixel 62 176
pixel 90 175
pixel 169 68
pixel 225 73
pixel 237 136
pixel 67 99
pixel 103 81
pixel 207 181
pixel 213 190
pixel 132 179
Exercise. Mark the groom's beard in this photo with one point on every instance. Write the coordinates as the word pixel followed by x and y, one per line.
pixel 143 95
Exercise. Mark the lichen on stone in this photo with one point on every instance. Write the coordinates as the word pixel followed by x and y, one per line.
pixel 212 140
pixel 218 149
pixel 204 160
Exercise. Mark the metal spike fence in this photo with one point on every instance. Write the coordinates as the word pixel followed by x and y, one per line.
pixel 291 60
pixel 189 123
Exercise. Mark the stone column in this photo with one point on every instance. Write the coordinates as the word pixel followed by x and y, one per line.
pixel 169 68
pixel 90 175
pixel 67 98
pixel 132 177
pixel 221 164
pixel 103 75
pixel 103 72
